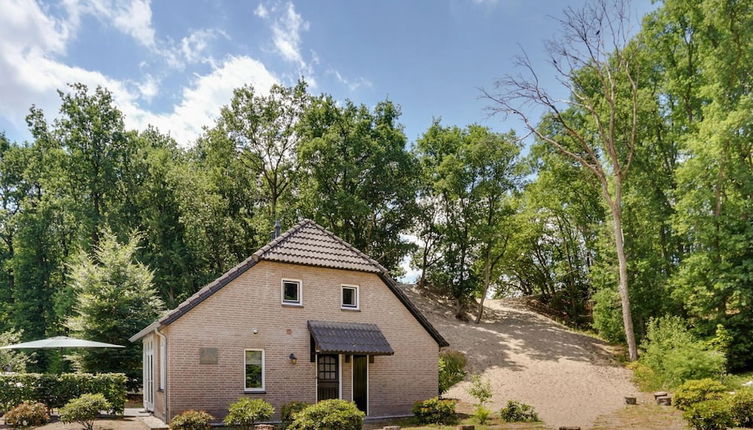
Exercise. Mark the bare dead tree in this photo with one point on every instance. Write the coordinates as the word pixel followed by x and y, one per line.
pixel 597 125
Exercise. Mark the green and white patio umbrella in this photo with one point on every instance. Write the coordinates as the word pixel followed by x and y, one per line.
pixel 60 342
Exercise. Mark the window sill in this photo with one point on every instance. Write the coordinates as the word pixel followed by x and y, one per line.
pixel 350 309
pixel 254 392
pixel 292 305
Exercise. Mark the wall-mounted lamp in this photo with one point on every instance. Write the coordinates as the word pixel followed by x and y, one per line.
pixel 293 358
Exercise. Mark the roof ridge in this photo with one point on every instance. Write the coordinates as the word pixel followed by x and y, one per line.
pixel 281 238
pixel 351 247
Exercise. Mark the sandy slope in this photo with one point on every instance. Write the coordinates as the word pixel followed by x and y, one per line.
pixel 569 378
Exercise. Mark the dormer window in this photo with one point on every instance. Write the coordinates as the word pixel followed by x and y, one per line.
pixel 349 297
pixel 292 293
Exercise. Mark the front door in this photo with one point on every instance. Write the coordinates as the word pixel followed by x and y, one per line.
pixel 328 377
pixel 360 382
pixel 148 368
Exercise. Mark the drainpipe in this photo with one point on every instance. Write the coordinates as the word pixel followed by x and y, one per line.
pixel 163 357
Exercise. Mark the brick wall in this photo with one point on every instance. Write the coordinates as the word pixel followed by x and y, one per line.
pixel 227 319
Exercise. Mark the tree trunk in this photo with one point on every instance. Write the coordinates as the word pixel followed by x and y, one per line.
pixel 487 281
pixel 627 317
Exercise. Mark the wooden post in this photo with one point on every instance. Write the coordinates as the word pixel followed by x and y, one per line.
pixel 631 400
pixel 466 427
pixel 664 400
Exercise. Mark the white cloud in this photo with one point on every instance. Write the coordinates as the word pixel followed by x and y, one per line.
pixel 287 25
pixel 133 17
pixel 30 43
pixel 193 47
pixel 261 11
pixel 352 84
pixel 201 102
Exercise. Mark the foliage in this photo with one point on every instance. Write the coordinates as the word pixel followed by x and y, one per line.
pixel 696 391
pixel 482 414
pixel 191 420
pixel 84 410
pixel 480 389
pixel 517 412
pixel 451 369
pixel 10 360
pixel 245 413
pixel 674 355
pixel 114 299
pixel 57 390
pixel 607 319
pixel 27 415
pixel 329 414
pixel 288 411
pixel 710 415
pixel 741 407
pixel 435 411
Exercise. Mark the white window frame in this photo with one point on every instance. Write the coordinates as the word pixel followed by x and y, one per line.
pixel 357 307
pixel 263 372
pixel 300 292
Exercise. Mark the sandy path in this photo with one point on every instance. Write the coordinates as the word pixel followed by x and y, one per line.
pixel 569 378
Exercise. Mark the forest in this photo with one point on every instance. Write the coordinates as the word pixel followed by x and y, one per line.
pixel 640 183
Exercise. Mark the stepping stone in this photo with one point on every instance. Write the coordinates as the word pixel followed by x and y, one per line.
pixel 631 400
pixel 660 394
pixel 664 400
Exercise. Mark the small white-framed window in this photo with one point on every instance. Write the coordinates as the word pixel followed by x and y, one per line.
pixel 292 292
pixel 349 297
pixel 254 370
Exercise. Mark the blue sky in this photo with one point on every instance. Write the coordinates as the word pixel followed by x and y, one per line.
pixel 172 64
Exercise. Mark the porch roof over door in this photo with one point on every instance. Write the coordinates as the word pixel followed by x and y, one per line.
pixel 348 338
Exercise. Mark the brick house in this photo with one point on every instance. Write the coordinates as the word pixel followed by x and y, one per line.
pixel 307 317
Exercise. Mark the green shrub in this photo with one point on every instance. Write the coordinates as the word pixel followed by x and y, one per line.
pixel 245 413
pixel 27 415
pixel 334 414
pixel 480 389
pixel 517 412
pixel 673 355
pixel 451 369
pixel 84 410
pixel 695 391
pixel 57 390
pixel 710 415
pixel 191 420
pixel 482 414
pixel 288 411
pixel 607 315
pixel 741 406
pixel 435 411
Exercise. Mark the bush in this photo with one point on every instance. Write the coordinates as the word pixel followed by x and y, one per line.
pixel 27 415
pixel 741 406
pixel 517 412
pixel 245 413
pixel 84 410
pixel 482 414
pixel 288 411
pixel 695 391
pixel 435 411
pixel 607 315
pixel 191 420
pixel 673 355
pixel 710 415
pixel 333 414
pixel 451 369
pixel 57 390
pixel 480 389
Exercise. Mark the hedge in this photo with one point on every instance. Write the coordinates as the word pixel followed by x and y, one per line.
pixel 57 390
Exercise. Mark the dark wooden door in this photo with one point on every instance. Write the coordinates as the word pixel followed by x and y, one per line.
pixel 328 377
pixel 360 382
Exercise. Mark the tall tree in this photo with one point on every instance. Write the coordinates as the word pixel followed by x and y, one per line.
pixel 263 128
pixel 115 298
pixel 361 178
pixel 598 124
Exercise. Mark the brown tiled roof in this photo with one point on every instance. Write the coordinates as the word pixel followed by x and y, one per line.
pixel 349 338
pixel 309 244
